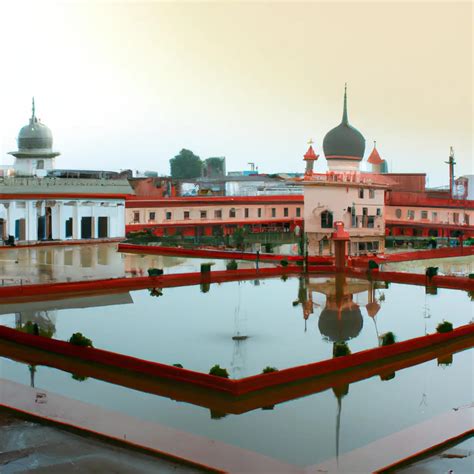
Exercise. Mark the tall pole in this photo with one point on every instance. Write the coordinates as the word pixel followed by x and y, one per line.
pixel 451 164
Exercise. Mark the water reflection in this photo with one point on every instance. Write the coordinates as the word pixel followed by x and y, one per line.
pixel 340 320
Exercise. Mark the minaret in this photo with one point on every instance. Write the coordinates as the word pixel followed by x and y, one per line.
pixel 35 155
pixel 375 160
pixel 310 157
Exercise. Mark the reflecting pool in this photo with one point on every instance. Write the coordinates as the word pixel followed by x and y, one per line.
pixel 244 327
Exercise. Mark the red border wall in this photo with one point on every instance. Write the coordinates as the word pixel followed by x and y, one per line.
pixel 212 253
pixel 136 283
pixel 235 387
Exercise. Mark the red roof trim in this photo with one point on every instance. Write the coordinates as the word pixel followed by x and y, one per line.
pixel 137 201
pixel 343 157
pixel 63 196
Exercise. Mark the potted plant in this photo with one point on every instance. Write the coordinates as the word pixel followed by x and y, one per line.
pixel 218 371
pixel 78 339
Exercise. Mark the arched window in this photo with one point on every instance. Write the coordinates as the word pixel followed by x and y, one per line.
pixel 326 220
pixel 398 213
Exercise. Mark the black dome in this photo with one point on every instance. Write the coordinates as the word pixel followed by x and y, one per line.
pixel 344 140
pixel 339 330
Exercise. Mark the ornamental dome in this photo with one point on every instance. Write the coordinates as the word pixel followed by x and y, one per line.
pixel 35 135
pixel 339 327
pixel 344 142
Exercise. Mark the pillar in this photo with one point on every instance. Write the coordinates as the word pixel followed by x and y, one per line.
pixel 76 221
pixel 31 221
pixel 11 217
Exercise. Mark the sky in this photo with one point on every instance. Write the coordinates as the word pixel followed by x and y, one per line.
pixel 129 84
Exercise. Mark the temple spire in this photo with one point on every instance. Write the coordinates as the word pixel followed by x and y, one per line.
pixel 33 110
pixel 345 120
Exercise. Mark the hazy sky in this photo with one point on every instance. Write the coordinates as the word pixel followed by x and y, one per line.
pixel 128 84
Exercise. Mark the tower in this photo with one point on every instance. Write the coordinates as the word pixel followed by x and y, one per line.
pixel 344 145
pixel 35 155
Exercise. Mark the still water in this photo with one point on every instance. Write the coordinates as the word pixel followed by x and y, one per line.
pixel 246 326
pixel 281 323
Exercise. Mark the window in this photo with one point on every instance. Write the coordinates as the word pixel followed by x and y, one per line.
pixel 232 212
pixel 151 216
pixel 456 217
pixel 410 214
pixel 466 219
pixel 259 212
pixel 203 214
pixel 168 215
pixel 434 216
pixel 298 212
pixel 398 213
pixel 371 193
pixel 246 212
pixel 69 228
pixel 361 193
pixel 136 217
pixel 274 212
pixel 186 215
pixel 326 220
pixel 285 212
pixel 365 211
pixel 379 211
pixel 424 214
pixel 218 214
pixel 40 165
pixel 370 222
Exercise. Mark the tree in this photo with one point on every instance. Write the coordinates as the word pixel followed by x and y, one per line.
pixel 185 165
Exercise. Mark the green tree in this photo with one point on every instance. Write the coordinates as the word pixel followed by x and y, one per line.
pixel 185 165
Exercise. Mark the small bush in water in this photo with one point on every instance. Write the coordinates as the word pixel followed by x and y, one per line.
pixel 340 349
pixel 79 340
pixel 445 326
pixel 388 338
pixel 232 265
pixel 268 370
pixel 218 371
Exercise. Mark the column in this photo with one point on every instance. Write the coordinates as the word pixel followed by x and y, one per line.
pixel 76 221
pixel 11 218
pixel 31 221
pixel 59 226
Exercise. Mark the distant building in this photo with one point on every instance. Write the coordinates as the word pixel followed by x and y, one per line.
pixel 343 194
pixel 40 203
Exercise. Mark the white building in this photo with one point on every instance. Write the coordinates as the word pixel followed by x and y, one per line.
pixel 35 206
pixel 343 194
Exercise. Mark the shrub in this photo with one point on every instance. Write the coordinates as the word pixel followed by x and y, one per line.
pixel 388 338
pixel 284 277
pixel 284 262
pixel 373 265
pixel 79 378
pixel 178 365
pixel 268 370
pixel 340 349
pixel 232 265
pixel 153 272
pixel 218 371
pixel 300 263
pixel 444 326
pixel 79 340
pixel 430 272
pixel 156 292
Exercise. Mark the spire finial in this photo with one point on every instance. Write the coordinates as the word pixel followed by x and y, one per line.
pixel 345 120
pixel 33 116
pixel 375 143
pixel 310 142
